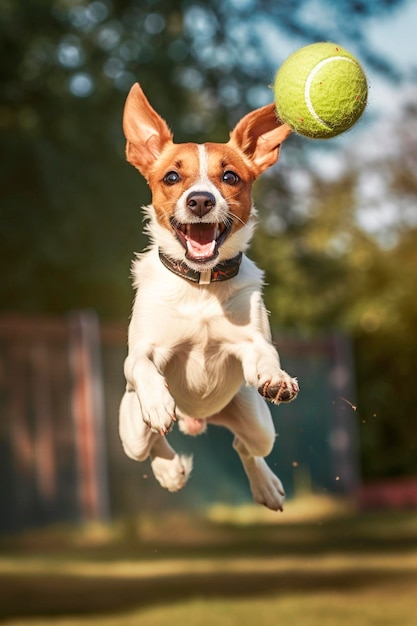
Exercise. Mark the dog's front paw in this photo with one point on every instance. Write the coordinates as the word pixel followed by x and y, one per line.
pixel 158 411
pixel 279 389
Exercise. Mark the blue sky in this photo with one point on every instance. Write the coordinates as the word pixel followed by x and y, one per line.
pixel 394 36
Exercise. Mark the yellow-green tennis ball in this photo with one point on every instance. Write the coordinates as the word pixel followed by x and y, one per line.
pixel 320 90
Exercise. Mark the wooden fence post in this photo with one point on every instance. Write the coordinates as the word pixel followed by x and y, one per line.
pixel 88 414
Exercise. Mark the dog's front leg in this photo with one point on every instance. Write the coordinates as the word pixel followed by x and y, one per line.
pixel 170 469
pixel 144 377
pixel 262 370
pixel 260 360
pixel 272 382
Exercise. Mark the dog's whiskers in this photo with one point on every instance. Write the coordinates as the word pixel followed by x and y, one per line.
pixel 237 218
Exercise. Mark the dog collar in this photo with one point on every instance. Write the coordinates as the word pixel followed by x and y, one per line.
pixel 221 271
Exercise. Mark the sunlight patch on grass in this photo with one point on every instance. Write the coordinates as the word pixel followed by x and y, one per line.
pixel 149 568
pixel 304 610
pixel 307 508
pixel 185 527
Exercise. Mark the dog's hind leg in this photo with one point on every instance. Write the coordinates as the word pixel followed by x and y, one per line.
pixel 139 442
pixel 249 419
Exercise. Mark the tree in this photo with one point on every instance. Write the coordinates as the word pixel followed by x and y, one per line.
pixel 68 219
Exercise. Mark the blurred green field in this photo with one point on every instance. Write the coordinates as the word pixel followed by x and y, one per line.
pixel 220 568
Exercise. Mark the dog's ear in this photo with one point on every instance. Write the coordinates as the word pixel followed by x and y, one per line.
pixel 145 131
pixel 259 135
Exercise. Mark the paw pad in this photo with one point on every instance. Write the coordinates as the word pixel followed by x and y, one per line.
pixel 283 392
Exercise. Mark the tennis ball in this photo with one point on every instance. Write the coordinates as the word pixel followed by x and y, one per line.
pixel 320 90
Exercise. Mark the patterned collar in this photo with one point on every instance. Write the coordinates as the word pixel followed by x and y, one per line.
pixel 222 271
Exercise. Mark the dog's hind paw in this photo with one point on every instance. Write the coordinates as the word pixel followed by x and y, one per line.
pixel 285 389
pixel 172 474
pixel 266 487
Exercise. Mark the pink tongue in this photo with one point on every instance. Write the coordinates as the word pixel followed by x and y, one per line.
pixel 201 240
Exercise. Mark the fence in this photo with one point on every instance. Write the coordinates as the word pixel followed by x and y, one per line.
pixel 61 381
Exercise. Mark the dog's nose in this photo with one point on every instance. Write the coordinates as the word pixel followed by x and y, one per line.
pixel 200 202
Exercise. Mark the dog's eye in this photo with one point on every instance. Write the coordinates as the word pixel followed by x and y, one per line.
pixel 230 178
pixel 171 178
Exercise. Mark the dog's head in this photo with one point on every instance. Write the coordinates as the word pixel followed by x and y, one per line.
pixel 201 193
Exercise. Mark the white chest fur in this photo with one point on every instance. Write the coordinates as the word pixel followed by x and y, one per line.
pixel 192 333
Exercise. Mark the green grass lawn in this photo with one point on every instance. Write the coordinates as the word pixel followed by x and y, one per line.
pixel 356 569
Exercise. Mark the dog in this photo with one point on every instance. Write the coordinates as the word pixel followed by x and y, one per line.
pixel 199 343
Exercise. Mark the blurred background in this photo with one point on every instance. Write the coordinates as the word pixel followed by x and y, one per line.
pixel 337 239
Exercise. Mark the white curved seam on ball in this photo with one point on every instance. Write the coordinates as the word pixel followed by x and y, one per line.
pixel 310 79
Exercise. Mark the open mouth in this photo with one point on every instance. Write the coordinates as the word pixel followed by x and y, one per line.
pixel 200 240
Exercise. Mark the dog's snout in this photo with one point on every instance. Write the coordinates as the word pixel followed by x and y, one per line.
pixel 200 202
